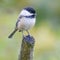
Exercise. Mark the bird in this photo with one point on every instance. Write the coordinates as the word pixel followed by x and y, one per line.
pixel 25 21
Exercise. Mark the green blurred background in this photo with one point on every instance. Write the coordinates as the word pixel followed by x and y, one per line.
pixel 46 30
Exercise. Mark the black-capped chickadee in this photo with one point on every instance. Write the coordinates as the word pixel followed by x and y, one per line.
pixel 25 21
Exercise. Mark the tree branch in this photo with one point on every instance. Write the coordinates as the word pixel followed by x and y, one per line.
pixel 27 46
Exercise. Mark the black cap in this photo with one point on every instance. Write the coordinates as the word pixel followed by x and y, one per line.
pixel 30 9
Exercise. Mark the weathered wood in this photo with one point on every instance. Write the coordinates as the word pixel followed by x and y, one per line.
pixel 27 47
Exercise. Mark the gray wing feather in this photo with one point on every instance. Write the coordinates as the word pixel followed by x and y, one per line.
pixel 17 23
pixel 18 20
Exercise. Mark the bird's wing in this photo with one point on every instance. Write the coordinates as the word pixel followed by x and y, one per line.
pixel 19 18
pixel 17 22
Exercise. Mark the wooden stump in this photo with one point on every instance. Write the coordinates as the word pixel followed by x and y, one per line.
pixel 27 47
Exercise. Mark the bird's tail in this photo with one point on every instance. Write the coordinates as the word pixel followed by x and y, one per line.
pixel 10 36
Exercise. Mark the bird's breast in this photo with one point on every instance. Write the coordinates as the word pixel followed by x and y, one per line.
pixel 26 23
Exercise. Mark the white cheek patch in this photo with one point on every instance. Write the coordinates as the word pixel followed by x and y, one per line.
pixel 25 13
